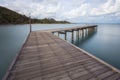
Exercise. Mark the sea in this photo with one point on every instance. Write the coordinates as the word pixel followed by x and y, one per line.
pixel 103 43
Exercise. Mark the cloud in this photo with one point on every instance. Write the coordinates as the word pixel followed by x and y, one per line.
pixel 72 10
pixel 108 7
pixel 117 14
pixel 82 10
pixel 44 9
pixel 37 8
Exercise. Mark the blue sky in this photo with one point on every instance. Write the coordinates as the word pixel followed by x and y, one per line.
pixel 79 11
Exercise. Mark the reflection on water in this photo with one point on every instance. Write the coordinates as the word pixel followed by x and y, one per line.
pixel 78 37
pixel 83 36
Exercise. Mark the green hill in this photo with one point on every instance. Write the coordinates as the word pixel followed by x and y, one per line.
pixel 8 16
pixel 48 20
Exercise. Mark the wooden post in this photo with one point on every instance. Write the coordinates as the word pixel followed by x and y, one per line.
pixel 72 36
pixel 82 33
pixel 87 31
pixel 95 29
pixel 65 35
pixel 58 34
pixel 53 33
pixel 77 34
pixel 30 23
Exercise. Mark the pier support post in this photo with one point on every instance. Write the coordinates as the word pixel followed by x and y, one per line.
pixel 95 28
pixel 65 35
pixel 30 23
pixel 82 31
pixel 72 37
pixel 58 34
pixel 53 33
pixel 77 34
pixel 63 32
pixel 86 31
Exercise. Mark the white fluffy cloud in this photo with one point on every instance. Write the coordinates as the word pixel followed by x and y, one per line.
pixel 82 10
pixel 72 10
pixel 44 9
pixel 110 6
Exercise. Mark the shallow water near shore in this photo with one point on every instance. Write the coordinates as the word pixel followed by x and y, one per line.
pixel 103 43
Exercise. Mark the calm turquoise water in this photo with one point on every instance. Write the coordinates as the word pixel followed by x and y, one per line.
pixel 104 43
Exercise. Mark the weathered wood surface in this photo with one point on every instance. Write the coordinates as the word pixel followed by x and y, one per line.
pixel 76 28
pixel 47 57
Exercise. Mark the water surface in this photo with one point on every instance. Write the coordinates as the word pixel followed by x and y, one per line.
pixel 103 43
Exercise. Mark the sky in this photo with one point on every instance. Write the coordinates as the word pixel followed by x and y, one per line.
pixel 77 11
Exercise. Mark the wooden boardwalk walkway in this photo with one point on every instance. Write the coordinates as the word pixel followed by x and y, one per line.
pixel 47 57
pixel 70 28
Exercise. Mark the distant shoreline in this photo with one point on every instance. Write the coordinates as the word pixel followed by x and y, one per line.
pixel 8 16
pixel 54 23
pixel 38 23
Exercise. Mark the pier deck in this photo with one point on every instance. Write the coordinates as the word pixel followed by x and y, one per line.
pixel 47 57
pixel 70 28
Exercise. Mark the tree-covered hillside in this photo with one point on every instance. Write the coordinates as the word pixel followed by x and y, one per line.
pixel 8 16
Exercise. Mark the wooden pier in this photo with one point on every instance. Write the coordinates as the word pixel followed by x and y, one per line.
pixel 45 56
